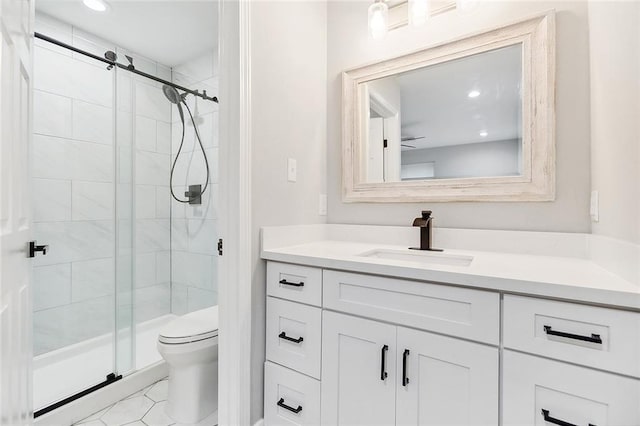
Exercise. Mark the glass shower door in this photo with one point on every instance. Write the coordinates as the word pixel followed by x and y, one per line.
pixel 78 202
pixel 125 335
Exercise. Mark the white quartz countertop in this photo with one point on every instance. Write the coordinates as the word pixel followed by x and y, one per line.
pixel 563 277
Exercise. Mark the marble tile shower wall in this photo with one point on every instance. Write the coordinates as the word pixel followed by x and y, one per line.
pixel 74 185
pixel 194 227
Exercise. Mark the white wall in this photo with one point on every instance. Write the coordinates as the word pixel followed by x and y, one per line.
pixel 495 158
pixel 615 112
pixel 288 77
pixel 194 259
pixel 349 46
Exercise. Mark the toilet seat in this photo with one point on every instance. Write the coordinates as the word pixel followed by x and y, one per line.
pixel 193 327
pixel 186 339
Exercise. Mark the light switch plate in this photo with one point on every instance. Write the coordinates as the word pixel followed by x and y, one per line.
pixel 322 205
pixel 292 170
pixel 594 208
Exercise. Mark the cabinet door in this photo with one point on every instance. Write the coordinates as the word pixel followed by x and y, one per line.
pixel 445 381
pixel 542 392
pixel 358 371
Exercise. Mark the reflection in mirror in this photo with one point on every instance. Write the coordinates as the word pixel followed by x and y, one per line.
pixel 456 119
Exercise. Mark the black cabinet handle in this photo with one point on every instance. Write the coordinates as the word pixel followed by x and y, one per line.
pixel 35 248
pixel 285 282
pixel 553 420
pixel 405 379
pixel 284 336
pixel 383 363
pixel 286 407
pixel 594 338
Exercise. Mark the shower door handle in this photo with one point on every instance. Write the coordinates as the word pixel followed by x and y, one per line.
pixel 35 248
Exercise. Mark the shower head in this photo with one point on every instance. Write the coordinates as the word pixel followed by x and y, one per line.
pixel 174 97
pixel 172 94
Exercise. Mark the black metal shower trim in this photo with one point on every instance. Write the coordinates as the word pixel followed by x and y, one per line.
pixel 129 68
pixel 111 377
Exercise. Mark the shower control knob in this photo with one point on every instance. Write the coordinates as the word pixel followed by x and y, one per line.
pixel 35 248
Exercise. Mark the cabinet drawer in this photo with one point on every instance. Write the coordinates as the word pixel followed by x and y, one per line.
pixel 294 282
pixel 606 339
pixel 294 335
pixel 573 394
pixel 471 314
pixel 290 398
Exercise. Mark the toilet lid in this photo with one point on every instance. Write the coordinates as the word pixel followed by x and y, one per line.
pixel 194 326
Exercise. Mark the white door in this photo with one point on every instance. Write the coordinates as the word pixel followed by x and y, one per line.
pixel 16 19
pixel 445 381
pixel 375 165
pixel 358 371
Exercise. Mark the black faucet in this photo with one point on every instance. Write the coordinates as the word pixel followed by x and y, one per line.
pixel 425 223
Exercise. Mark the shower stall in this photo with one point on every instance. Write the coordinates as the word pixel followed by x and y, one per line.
pixel 125 197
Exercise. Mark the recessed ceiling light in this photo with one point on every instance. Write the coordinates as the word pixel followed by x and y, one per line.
pixel 474 94
pixel 97 5
pixel 484 133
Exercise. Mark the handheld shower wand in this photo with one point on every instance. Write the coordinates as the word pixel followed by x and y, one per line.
pixel 194 194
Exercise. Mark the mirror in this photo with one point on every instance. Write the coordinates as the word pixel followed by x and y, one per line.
pixel 456 119
pixel 468 120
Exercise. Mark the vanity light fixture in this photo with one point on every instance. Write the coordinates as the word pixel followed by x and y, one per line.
pixel 378 19
pixel 483 133
pixel 97 5
pixel 418 12
pixel 474 94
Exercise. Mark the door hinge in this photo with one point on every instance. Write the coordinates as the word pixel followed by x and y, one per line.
pixel 384 143
pixel 220 246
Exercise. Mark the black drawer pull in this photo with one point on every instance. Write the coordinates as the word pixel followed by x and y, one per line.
pixel 286 407
pixel 285 282
pixel 383 363
pixel 405 379
pixel 284 336
pixel 552 420
pixel 594 338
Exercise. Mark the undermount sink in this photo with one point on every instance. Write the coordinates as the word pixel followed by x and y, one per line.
pixel 416 256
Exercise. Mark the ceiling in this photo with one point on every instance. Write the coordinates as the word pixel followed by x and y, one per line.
pixel 435 100
pixel 169 32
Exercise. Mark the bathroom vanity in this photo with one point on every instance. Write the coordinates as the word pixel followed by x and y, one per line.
pixel 365 333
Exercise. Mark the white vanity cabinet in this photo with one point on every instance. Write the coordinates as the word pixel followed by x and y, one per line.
pixel 379 374
pixel 539 391
pixel 359 375
pixel 348 348
pixel 445 381
pixel 601 349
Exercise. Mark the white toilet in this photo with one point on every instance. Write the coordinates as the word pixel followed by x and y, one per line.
pixel 189 344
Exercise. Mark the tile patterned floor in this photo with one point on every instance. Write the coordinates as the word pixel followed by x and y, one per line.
pixel 143 408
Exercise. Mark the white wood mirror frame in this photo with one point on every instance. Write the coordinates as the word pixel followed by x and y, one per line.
pixel 537 180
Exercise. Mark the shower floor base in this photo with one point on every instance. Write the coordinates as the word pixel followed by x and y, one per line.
pixel 66 371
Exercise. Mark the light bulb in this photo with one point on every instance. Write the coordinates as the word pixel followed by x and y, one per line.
pixel 418 12
pixel 466 5
pixel 378 19
pixel 97 5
